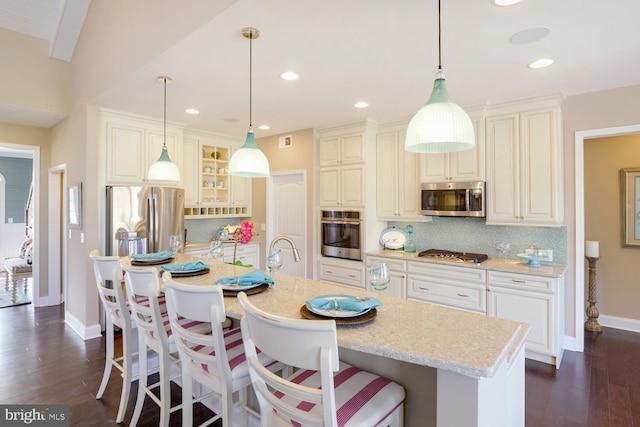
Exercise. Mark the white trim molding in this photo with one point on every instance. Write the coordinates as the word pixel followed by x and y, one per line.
pixel 85 332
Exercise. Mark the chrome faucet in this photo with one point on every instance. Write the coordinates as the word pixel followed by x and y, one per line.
pixel 296 254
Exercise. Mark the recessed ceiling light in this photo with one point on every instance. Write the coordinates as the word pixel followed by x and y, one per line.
pixel 361 104
pixel 263 127
pixel 289 75
pixel 530 35
pixel 191 111
pixel 506 2
pixel 541 63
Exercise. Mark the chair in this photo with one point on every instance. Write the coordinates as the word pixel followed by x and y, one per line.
pixel 215 360
pixel 149 312
pixel 19 268
pixel 322 391
pixel 107 269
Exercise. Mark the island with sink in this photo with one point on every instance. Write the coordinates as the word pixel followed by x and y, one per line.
pixel 458 367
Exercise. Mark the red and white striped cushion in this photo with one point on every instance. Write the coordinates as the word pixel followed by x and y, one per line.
pixel 235 353
pixel 362 398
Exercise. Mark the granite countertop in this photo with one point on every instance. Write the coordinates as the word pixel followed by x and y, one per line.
pixel 416 332
pixel 494 264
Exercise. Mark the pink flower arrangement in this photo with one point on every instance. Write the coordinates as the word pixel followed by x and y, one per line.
pixel 246 228
pixel 242 233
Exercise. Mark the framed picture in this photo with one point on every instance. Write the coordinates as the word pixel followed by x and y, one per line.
pixel 285 141
pixel 630 185
pixel 75 205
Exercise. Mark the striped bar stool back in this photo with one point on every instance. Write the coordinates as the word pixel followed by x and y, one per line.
pixel 108 274
pixel 148 309
pixel 323 391
pixel 216 359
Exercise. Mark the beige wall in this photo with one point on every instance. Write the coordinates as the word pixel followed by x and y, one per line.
pixel 618 268
pixel 297 157
pixel 595 110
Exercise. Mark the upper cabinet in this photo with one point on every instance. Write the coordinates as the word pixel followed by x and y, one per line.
pixel 524 163
pixel 209 189
pixel 468 165
pixel 134 143
pixel 341 160
pixel 397 177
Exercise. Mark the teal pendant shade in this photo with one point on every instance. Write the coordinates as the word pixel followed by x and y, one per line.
pixel 164 169
pixel 441 126
pixel 248 160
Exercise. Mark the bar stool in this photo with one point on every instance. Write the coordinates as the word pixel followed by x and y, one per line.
pixel 323 391
pixel 154 332
pixel 215 360
pixel 107 269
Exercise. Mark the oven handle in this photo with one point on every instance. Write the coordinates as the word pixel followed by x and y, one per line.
pixel 324 221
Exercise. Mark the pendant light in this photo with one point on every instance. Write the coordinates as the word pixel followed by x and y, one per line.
pixel 440 126
pixel 164 169
pixel 249 161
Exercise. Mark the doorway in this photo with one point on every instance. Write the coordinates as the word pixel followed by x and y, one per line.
pixel 57 271
pixel 32 152
pixel 287 216
pixel 580 137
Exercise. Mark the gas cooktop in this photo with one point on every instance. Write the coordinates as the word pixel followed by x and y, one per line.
pixel 454 256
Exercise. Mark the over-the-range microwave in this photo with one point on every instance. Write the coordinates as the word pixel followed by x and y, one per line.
pixel 453 199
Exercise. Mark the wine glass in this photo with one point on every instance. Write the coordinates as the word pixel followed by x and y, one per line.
pixel 274 262
pixel 379 276
pixel 216 250
pixel 175 242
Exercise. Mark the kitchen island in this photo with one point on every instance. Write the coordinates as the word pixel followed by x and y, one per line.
pixel 458 368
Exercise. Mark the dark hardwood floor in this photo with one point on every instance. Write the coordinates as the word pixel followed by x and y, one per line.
pixel 44 361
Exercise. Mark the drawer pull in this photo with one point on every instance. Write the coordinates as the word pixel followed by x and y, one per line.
pixel 463 295
pixel 351 275
pixel 519 281
pixel 423 288
pixel 330 271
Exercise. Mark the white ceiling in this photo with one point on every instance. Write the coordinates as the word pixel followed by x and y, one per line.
pixel 378 51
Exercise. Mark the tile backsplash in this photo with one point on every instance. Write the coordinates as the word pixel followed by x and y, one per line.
pixel 202 230
pixel 474 235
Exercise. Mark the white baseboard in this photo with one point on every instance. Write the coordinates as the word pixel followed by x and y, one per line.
pixel 615 322
pixel 85 332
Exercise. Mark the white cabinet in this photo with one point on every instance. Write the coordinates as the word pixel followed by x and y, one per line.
pixel 468 165
pixel 134 143
pixel 397 177
pixel 210 191
pixel 248 254
pixel 534 300
pixel 524 164
pixel 341 272
pixel 458 287
pixel 397 271
pixel 341 161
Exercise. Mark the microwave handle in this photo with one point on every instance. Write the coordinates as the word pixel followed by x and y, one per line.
pixel 467 200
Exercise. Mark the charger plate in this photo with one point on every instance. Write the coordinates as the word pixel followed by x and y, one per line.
pixel 151 262
pixel 188 273
pixel 341 321
pixel 251 291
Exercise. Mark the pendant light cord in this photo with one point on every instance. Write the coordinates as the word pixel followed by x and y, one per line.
pixel 439 40
pixel 164 141
pixel 250 75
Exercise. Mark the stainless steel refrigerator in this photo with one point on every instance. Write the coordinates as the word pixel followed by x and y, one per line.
pixel 141 219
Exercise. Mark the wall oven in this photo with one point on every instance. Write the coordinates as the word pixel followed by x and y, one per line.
pixel 341 234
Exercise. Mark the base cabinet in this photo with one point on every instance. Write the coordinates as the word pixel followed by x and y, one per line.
pixel 534 300
pixel 456 287
pixel 248 254
pixel 341 272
